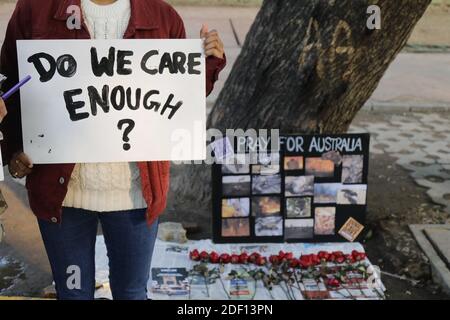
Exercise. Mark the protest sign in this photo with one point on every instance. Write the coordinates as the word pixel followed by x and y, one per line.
pixel 313 189
pixel 113 100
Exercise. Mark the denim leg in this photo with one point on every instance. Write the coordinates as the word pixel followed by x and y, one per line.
pixel 71 251
pixel 129 242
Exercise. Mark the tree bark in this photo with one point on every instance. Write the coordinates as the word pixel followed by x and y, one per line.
pixel 307 66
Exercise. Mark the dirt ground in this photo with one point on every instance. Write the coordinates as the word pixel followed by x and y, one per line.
pixel 394 202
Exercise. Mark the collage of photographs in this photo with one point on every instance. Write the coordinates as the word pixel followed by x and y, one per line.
pixel 294 196
pixel 251 198
pixel 315 187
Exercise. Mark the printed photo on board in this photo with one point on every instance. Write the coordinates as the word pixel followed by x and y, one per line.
pixel 319 167
pixel 351 229
pixel 334 156
pixel 269 226
pixel 325 221
pixel 298 207
pixel 222 149
pixel 352 169
pixel 299 229
pixel 235 228
pixel 232 208
pixel 266 184
pixel 236 185
pixel 326 192
pixel 355 194
pixel 266 206
pixel 299 186
pixel 267 159
pixel 265 170
pixel 293 163
pixel 236 164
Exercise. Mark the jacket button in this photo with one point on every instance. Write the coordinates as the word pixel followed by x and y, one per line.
pixel 54 220
pixel 62 180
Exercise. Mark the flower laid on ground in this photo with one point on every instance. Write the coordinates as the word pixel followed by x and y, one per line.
pixel 194 255
pixel 225 258
pixel 306 261
pixel 202 270
pixel 335 269
pixel 333 282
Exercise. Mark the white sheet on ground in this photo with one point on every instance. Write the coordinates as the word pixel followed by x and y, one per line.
pixel 172 255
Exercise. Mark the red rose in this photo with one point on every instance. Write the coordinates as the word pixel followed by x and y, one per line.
pixel 261 261
pixel 323 256
pixel 204 256
pixel 288 256
pixel 243 258
pixel 331 258
pixel 358 256
pixel 225 258
pixel 349 258
pixel 214 257
pixel 315 259
pixel 340 259
pixel 194 255
pixel 306 261
pixel 253 257
pixel 234 259
pixel 274 259
pixel 338 254
pixel 293 263
pixel 333 283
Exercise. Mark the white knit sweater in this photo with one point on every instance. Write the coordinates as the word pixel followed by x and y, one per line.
pixel 105 187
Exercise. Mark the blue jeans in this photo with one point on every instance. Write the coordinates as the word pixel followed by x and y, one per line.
pixel 129 242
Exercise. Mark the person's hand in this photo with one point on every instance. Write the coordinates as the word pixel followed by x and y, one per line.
pixel 3 111
pixel 212 43
pixel 20 165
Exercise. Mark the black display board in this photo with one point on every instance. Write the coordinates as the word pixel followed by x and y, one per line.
pixel 305 192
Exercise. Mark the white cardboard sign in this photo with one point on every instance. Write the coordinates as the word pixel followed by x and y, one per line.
pixel 113 100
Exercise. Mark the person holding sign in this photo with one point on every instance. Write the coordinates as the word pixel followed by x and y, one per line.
pixel 70 200
pixel 3 205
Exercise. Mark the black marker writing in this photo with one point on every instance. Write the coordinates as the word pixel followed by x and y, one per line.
pixel 66 66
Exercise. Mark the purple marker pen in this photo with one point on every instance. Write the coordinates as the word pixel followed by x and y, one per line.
pixel 16 88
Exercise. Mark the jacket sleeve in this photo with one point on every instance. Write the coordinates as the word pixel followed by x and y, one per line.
pixel 214 65
pixel 11 126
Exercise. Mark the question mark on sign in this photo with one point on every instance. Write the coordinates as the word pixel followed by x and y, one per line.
pixel 129 127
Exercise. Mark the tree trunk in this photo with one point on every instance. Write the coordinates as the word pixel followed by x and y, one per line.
pixel 307 66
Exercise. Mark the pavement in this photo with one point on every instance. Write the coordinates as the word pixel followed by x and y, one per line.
pixel 420 143
pixel 435 242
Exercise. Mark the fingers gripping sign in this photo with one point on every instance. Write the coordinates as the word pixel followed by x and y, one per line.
pixel 212 43
pixel 20 165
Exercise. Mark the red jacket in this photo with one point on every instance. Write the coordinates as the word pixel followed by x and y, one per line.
pixel 46 19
